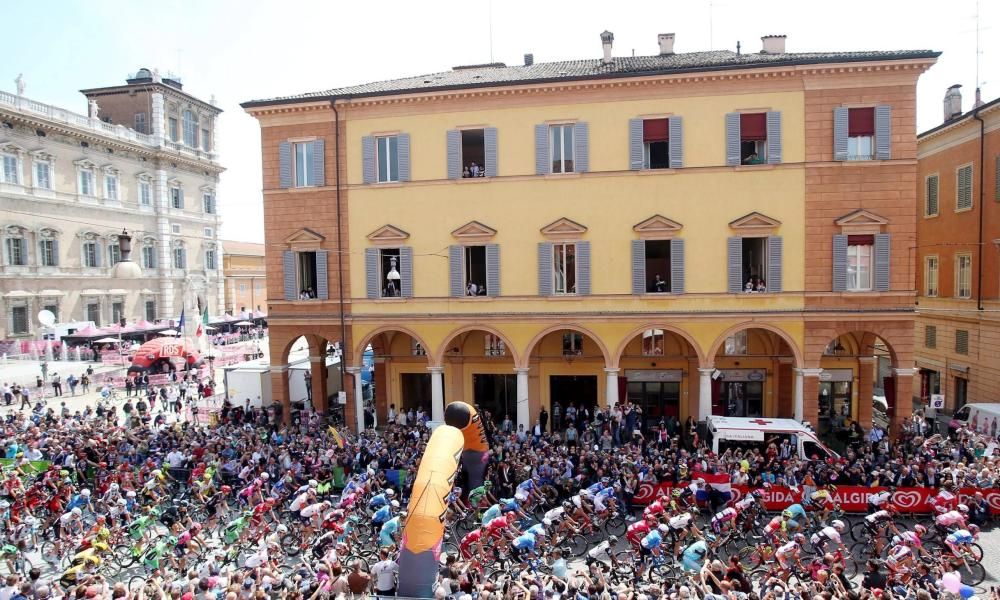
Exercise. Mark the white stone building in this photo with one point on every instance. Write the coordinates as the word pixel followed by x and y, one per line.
pixel 142 159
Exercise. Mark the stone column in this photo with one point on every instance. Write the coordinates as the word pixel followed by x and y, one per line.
pixel 359 400
pixel 810 396
pixel 705 393
pixel 797 404
pixel 866 383
pixel 523 408
pixel 279 392
pixel 437 393
pixel 611 391
pixel 904 397
pixel 317 376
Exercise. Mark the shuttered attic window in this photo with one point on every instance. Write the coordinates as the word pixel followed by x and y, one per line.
pixel 861 133
pixel 656 143
pixel 753 138
pixel 473 153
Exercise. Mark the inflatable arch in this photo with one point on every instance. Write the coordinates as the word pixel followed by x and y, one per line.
pixel 460 441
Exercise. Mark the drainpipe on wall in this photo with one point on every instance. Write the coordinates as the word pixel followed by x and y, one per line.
pixel 340 247
pixel 982 196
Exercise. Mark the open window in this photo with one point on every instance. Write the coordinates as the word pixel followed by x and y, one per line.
pixel 754 264
pixel 473 153
pixel 658 267
pixel 753 138
pixel 564 268
pixel 859 262
pixel 656 144
pixel 474 265
pixel 306 275
pixel 652 342
pixel 861 133
pixel 389 273
pixel 572 343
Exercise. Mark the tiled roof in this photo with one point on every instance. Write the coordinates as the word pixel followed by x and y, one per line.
pixel 622 66
pixel 242 248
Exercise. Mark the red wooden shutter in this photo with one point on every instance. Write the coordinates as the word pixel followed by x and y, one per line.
pixel 861 121
pixel 753 126
pixel 861 240
pixel 655 130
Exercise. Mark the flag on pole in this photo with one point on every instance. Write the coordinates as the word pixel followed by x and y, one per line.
pixel 336 436
pixel 180 324
pixel 203 323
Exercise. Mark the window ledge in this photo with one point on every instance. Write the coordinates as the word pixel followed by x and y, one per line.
pixel 757 167
pixel 43 192
pixel 11 188
pixel 862 293
pixel 389 300
pixel 754 294
pixel 963 210
pixel 647 172
pixel 387 184
pixel 472 298
pixel 934 216
pixel 660 294
pixel 562 175
pixel 84 199
pixel 565 297
pixel 473 179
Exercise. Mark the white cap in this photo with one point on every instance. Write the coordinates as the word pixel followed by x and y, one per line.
pixel 390 492
pixel 395 504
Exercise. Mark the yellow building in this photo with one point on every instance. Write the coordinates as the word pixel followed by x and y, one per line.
pixel 692 233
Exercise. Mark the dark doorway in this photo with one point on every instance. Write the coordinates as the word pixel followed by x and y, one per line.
pixel 580 390
pixel 658 399
pixel 496 394
pixel 961 392
pixel 416 388
pixel 739 399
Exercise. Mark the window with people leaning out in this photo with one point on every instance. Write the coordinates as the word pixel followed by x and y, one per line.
pixel 753 138
pixel 389 273
pixel 306 273
pixel 473 153
pixel 658 267
pixel 754 265
pixel 474 264
pixel 564 268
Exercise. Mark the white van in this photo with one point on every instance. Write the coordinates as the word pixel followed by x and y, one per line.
pixel 743 433
pixel 981 417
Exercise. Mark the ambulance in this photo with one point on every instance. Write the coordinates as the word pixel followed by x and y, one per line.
pixel 742 433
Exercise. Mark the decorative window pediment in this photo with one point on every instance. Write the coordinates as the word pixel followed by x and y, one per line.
pixel 16 230
pixel 174 182
pixel 474 230
pixel 49 232
pixel 861 221
pixel 305 239
pixel 563 228
pixel 85 163
pixel 207 189
pixel 755 223
pixel 12 147
pixel 657 227
pixel 388 234
pixel 42 155
pixel 109 170
pixel 143 176
pixel 88 235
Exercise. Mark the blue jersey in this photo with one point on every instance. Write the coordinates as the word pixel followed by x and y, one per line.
pixel 652 540
pixel 491 513
pixel 382 515
pixel 536 530
pixel 389 529
pixel 960 536
pixel 508 505
pixel 693 556
pixel 526 485
pixel 597 487
pixel 77 501
pixel 525 541
pixel 797 511
pixel 608 492
pixel 379 500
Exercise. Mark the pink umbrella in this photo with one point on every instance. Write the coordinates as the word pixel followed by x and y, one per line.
pixel 229 318
pixel 144 324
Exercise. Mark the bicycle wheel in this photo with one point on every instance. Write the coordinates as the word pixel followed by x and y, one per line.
pixel 291 543
pixel 361 559
pixel 859 532
pixel 136 583
pixel 122 555
pixel 448 549
pixel 577 545
pixel 972 573
pixel 49 553
pixel 751 558
pixel 615 525
pixel 977 552
pixel 859 550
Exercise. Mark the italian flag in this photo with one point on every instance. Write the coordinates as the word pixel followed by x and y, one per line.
pixel 203 323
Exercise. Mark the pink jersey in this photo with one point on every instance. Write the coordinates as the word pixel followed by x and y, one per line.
pixel 952 517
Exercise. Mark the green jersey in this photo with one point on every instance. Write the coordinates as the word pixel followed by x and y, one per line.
pixel 477 494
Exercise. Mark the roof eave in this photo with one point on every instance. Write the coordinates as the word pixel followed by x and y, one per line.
pixel 961 119
pixel 319 97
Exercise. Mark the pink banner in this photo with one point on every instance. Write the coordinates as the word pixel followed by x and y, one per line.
pixel 853 499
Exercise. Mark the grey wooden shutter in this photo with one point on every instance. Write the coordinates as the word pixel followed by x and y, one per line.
pixel 403 156
pixel 544 268
pixel 732 139
pixel 184 258
pixel 839 263
pixel 882 243
pixel 581 147
pixel 319 162
pixel 677 266
pixel 98 259
pixel 285 165
pixel 840 133
pixel 490 144
pixel 322 276
pixel 25 258
pixel 55 253
pixel 406 271
pixel 542 163
pixel 932 195
pixel 368 160
pixel 635 144
pixel 883 132
pixel 371 273
pixel 734 264
pixel 180 196
pixel 453 144
pixel 638 266
pixel 774 260
pixel 583 268
pixel 456 283
pixel 492 270
pixel 288 274
pixel 676 142
pixel 774 137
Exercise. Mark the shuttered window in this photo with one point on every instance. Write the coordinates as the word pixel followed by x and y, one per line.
pixel 961 341
pixel 963 276
pixel 658 266
pixel 387 158
pixel 754 264
pixel 656 143
pixel 930 336
pixel 931 196
pixel 931 276
pixel 306 275
pixel 474 271
pixel 19 320
pixel 303 168
pixel 861 133
pixel 561 148
pixel 564 268
pixel 859 264
pixel 753 138
pixel 471 153
pixel 963 188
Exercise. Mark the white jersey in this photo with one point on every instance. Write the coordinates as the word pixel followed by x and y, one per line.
pixel 601 550
pixel 880 498
pixel 827 532
pixel 300 502
pixel 312 510
pixel 681 521
pixel 556 515
pixel 745 502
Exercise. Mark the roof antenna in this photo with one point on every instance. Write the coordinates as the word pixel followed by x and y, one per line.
pixel 491 31
pixel 737 47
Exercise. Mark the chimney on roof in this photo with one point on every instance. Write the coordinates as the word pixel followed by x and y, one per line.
pixel 529 59
pixel 607 38
pixel 773 44
pixel 979 99
pixel 952 102
pixel 666 41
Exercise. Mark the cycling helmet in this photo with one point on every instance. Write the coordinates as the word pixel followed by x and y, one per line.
pixel 799 538
pixel 605 481
pixel 313 483
pixel 963 508
pixel 567 505
pixel 103 534
pixel 663 528
pixel 85 493
pixel 613 539
pixel 487 484
pixel 171 540
pixel 77 512
pixel 122 502
pixel 100 519
pixel 265 475
pixel 919 530
pixel 390 492
pixel 511 516
pixel 402 514
pixel 839 525
pixel 710 537
pixel 114 487
pixel 394 504
pixel 892 509
pixel 226 489
pixel 757 494
pixel 282 528
pixel 676 493
pixel 787 514
pixel 130 493
pixel 4 505
pixel 156 473
pixel 910 538
pixel 831 488
pixel 974 529
pixel 197 527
